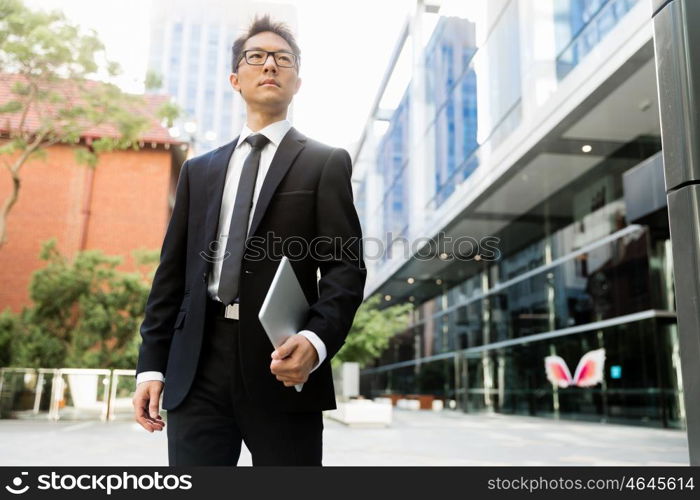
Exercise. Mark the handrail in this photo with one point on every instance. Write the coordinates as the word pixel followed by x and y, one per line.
pixel 58 387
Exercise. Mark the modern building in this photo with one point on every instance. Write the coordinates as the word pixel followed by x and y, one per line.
pixel 190 50
pixel 515 196
pixel 121 205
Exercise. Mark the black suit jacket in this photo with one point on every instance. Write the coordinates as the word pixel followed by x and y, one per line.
pixel 307 196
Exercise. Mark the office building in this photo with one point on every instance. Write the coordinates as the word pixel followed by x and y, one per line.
pixel 514 194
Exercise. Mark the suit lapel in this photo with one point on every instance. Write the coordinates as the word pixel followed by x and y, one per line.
pixel 216 178
pixel 290 147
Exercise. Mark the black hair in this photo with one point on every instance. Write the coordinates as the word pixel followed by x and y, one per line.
pixel 261 25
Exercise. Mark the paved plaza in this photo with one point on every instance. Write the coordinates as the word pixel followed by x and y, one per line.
pixel 414 438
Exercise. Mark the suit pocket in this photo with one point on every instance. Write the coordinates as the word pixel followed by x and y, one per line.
pixel 180 319
pixel 297 192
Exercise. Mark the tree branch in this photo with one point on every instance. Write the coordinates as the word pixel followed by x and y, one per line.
pixel 25 112
pixel 16 182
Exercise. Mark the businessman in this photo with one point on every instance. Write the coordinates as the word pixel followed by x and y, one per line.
pixel 269 192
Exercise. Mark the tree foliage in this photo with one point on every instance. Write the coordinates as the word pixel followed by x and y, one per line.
pixel 85 313
pixel 371 330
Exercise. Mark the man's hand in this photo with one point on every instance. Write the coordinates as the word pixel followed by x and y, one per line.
pixel 146 401
pixel 292 361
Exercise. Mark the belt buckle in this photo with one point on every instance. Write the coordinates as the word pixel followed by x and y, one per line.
pixel 231 311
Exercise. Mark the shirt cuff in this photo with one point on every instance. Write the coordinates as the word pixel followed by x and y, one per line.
pixel 318 345
pixel 147 376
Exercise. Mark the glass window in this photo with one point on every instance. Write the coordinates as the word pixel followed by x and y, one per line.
pixel 456 72
pixel 580 25
pixel 640 383
pixel 392 158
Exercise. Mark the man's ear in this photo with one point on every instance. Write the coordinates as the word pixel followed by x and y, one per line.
pixel 233 78
pixel 297 85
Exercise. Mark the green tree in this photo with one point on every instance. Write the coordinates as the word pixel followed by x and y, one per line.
pixel 371 331
pixel 85 313
pixel 48 63
pixel 8 326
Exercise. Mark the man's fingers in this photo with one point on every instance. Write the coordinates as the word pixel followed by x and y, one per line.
pixel 153 407
pixel 149 426
pixel 154 397
pixel 148 423
pixel 288 371
pixel 285 366
pixel 289 381
pixel 286 348
pixel 146 409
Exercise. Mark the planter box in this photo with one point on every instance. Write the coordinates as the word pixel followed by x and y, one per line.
pixel 362 412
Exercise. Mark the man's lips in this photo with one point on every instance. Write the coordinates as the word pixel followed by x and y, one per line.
pixel 269 83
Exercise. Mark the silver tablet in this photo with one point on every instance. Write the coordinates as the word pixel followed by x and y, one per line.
pixel 285 307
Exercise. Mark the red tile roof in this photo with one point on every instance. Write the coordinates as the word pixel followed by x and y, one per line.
pixel 156 133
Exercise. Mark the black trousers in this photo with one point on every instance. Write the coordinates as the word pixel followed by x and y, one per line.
pixel 207 428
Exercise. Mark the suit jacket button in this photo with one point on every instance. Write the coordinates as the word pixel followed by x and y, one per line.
pixel 204 277
pixel 247 272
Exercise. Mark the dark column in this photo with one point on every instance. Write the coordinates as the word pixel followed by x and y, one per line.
pixel 677 48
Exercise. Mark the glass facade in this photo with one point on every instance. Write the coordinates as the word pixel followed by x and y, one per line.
pixel 618 275
pixel 573 273
pixel 557 295
pixel 193 62
pixel 451 100
pixel 392 159
pixel 470 101
pixel 640 386
pixel 581 25
pixel 211 58
pixel 174 63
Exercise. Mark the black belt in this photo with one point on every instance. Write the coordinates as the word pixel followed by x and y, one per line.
pixel 222 310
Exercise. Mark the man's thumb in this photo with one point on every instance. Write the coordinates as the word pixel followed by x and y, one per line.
pixel 284 350
pixel 153 407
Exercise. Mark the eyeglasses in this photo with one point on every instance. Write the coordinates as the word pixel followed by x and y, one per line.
pixel 256 57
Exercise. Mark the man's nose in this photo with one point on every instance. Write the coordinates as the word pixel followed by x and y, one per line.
pixel 270 62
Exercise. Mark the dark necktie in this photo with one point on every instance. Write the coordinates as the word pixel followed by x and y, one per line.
pixel 238 231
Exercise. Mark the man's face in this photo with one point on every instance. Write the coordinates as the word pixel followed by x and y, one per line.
pixel 269 86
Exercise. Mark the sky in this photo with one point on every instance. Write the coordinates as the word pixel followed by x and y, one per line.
pixel 345 46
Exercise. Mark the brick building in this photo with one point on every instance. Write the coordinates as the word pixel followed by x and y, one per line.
pixel 122 205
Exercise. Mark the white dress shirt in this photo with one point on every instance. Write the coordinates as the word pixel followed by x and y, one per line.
pixel 275 132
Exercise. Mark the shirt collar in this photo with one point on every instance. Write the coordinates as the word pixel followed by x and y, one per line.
pixel 275 132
